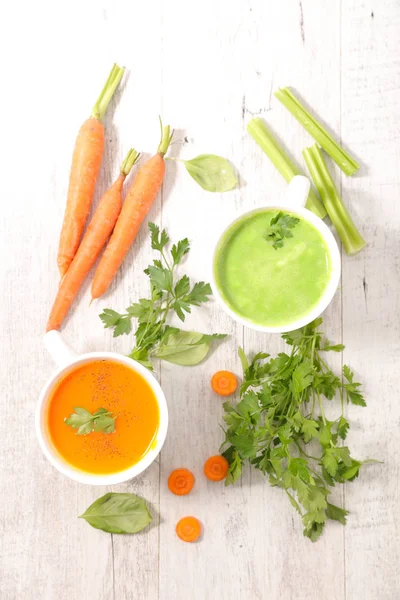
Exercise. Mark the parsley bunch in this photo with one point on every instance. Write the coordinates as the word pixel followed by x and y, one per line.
pixel 279 229
pixel 154 338
pixel 281 414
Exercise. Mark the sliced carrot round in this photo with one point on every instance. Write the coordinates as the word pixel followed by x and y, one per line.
pixel 181 482
pixel 188 529
pixel 224 383
pixel 216 468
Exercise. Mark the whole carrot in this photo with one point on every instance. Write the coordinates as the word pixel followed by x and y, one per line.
pixel 99 229
pixel 137 204
pixel 86 160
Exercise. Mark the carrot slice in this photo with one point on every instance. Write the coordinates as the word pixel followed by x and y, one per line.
pixel 188 529
pixel 224 383
pixel 216 468
pixel 181 482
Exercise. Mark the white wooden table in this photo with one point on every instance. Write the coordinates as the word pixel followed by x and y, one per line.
pixel 206 67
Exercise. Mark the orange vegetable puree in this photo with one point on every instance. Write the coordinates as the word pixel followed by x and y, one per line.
pixel 110 385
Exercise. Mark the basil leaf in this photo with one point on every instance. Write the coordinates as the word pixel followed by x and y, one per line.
pixel 213 173
pixel 185 348
pixel 118 513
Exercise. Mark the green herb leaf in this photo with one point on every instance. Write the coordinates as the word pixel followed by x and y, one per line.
pixel 110 317
pixel 158 242
pixel 302 377
pixel 327 347
pixel 330 463
pixel 336 513
pixel 179 250
pixel 160 278
pixel 353 393
pixel 86 422
pixel 105 422
pixel 200 293
pixel 343 427
pixel 280 228
pixel 235 466
pixel 213 173
pixel 243 360
pixel 121 323
pixel 309 429
pixel 184 299
pixel 118 513
pixel 182 287
pixel 186 347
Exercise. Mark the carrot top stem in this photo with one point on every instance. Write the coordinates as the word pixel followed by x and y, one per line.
pixel 166 137
pixel 107 92
pixel 130 159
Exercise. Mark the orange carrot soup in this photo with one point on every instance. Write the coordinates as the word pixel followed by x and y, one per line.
pixel 125 395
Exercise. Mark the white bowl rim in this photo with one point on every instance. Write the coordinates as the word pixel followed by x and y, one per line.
pixel 331 288
pixel 90 478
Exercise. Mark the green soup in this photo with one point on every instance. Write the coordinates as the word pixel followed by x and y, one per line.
pixel 267 286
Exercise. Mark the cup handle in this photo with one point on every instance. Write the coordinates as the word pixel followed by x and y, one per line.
pixel 58 349
pixel 297 192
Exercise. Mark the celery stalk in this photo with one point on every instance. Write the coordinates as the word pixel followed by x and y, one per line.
pixel 318 132
pixel 347 231
pixel 286 167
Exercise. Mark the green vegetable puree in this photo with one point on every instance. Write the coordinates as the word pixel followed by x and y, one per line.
pixel 266 286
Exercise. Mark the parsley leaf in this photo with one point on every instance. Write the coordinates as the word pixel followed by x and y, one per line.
pixel 343 427
pixel 235 465
pixel 86 422
pixel 280 228
pixel 353 393
pixel 158 241
pixel 179 250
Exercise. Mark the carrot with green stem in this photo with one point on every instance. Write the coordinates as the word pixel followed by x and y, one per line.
pixel 138 202
pixel 86 160
pixel 98 231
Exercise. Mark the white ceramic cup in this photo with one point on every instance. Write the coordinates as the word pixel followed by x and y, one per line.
pixel 67 360
pixel 294 202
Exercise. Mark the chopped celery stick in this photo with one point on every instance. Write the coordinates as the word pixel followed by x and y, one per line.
pixel 318 132
pixel 347 231
pixel 286 167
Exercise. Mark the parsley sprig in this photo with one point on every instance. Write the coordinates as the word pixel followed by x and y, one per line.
pixel 281 414
pixel 169 295
pixel 279 229
pixel 86 422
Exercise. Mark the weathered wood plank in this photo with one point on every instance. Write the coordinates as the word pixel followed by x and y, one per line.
pixel 294 567
pixel 371 298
